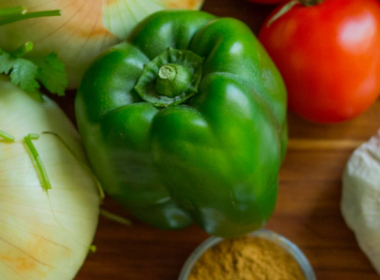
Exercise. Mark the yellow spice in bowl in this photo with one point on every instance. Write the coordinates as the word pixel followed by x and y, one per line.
pixel 246 258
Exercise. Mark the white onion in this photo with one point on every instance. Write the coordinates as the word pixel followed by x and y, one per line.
pixel 44 235
pixel 86 27
pixel 360 204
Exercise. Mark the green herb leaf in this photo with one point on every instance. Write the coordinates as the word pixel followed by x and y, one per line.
pixel 51 74
pixel 27 74
pixel 6 62
pixel 24 74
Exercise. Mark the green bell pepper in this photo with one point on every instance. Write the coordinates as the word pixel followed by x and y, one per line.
pixel 186 121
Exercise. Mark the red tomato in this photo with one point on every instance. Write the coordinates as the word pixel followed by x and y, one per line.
pixel 329 57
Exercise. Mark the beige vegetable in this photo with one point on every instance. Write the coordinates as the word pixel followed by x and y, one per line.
pixel 85 28
pixel 360 203
pixel 44 234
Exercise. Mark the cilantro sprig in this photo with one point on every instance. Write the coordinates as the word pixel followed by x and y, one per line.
pixel 30 74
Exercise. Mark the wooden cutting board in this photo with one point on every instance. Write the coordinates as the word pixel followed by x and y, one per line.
pixel 307 212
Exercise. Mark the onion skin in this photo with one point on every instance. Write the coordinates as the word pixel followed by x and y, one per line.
pixel 43 235
pixel 84 30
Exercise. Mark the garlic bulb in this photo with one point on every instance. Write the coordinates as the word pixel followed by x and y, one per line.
pixel 44 234
pixel 85 28
pixel 360 203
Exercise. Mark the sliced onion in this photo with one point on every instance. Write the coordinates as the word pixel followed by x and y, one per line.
pixel 44 234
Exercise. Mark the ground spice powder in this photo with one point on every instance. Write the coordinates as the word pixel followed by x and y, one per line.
pixel 246 258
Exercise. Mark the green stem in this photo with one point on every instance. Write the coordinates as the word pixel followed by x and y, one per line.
pixel 15 18
pixel 7 136
pixel 167 72
pixel 15 11
pixel 23 50
pixel 310 2
pixel 172 80
pixel 286 8
pixel 41 167
pixel 114 217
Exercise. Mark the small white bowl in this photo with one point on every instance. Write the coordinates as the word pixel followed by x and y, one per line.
pixel 290 247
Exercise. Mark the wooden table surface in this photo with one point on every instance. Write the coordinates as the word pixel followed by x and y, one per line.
pixel 307 211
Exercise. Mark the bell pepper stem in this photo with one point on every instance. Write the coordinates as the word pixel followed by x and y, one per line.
pixel 172 80
pixel 168 72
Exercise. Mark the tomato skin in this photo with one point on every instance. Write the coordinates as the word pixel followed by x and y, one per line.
pixel 329 57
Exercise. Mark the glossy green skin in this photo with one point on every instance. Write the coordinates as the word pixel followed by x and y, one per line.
pixel 213 160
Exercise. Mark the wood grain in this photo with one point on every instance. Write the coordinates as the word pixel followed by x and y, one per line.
pixel 307 211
